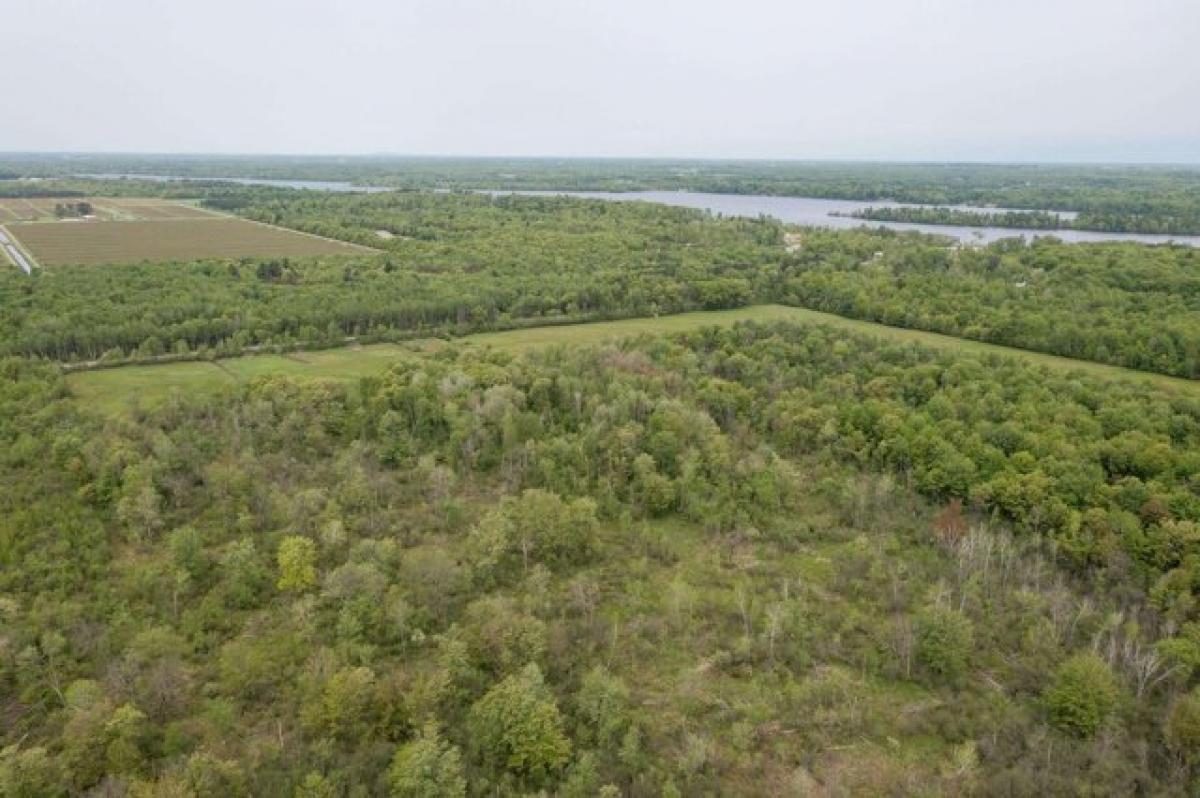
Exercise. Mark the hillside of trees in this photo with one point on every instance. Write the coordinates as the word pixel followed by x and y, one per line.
pixel 761 560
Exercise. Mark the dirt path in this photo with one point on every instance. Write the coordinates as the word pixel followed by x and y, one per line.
pixel 13 250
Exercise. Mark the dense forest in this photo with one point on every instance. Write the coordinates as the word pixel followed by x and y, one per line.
pixel 760 560
pixel 1119 303
pixel 1115 198
pixel 456 263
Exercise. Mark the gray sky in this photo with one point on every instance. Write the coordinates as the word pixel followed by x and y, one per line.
pixel 885 79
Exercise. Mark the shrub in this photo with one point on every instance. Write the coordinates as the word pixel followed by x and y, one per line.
pixel 1182 730
pixel 945 638
pixel 517 728
pixel 1083 695
pixel 427 767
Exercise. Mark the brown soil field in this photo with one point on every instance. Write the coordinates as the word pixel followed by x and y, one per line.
pixel 37 209
pixel 81 242
pixel 29 208
pixel 154 209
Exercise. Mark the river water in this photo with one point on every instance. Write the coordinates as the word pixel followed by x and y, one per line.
pixel 814 212
pixel 312 185
pixel 807 211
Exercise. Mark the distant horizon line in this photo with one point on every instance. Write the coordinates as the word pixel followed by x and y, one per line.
pixel 657 158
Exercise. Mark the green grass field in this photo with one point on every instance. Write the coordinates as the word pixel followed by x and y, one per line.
pixel 119 389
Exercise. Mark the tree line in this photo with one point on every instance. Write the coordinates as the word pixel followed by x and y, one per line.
pixel 1109 221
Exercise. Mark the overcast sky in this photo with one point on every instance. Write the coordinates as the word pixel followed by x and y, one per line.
pixel 875 79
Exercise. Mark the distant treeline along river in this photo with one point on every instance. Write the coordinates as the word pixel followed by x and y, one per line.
pixel 808 211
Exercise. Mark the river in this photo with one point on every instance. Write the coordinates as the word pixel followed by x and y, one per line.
pixel 340 186
pixel 814 212
pixel 806 211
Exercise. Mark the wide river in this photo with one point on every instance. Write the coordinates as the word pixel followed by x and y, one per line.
pixel 312 185
pixel 813 212
pixel 807 211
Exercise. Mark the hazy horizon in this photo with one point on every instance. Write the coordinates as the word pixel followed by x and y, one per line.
pixel 939 81
pixel 467 156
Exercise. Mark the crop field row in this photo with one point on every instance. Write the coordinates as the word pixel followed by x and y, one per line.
pixel 68 243
pixel 118 389
pixel 19 209
pixel 129 209
pixel 137 208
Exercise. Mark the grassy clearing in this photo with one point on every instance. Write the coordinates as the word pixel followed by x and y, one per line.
pixel 118 389
pixel 516 340
pixel 587 333
pixel 68 243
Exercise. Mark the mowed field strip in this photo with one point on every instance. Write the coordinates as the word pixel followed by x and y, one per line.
pixel 133 229
pixel 120 389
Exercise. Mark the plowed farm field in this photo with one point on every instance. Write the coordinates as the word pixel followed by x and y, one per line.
pixel 63 243
pixel 129 230
pixel 42 209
